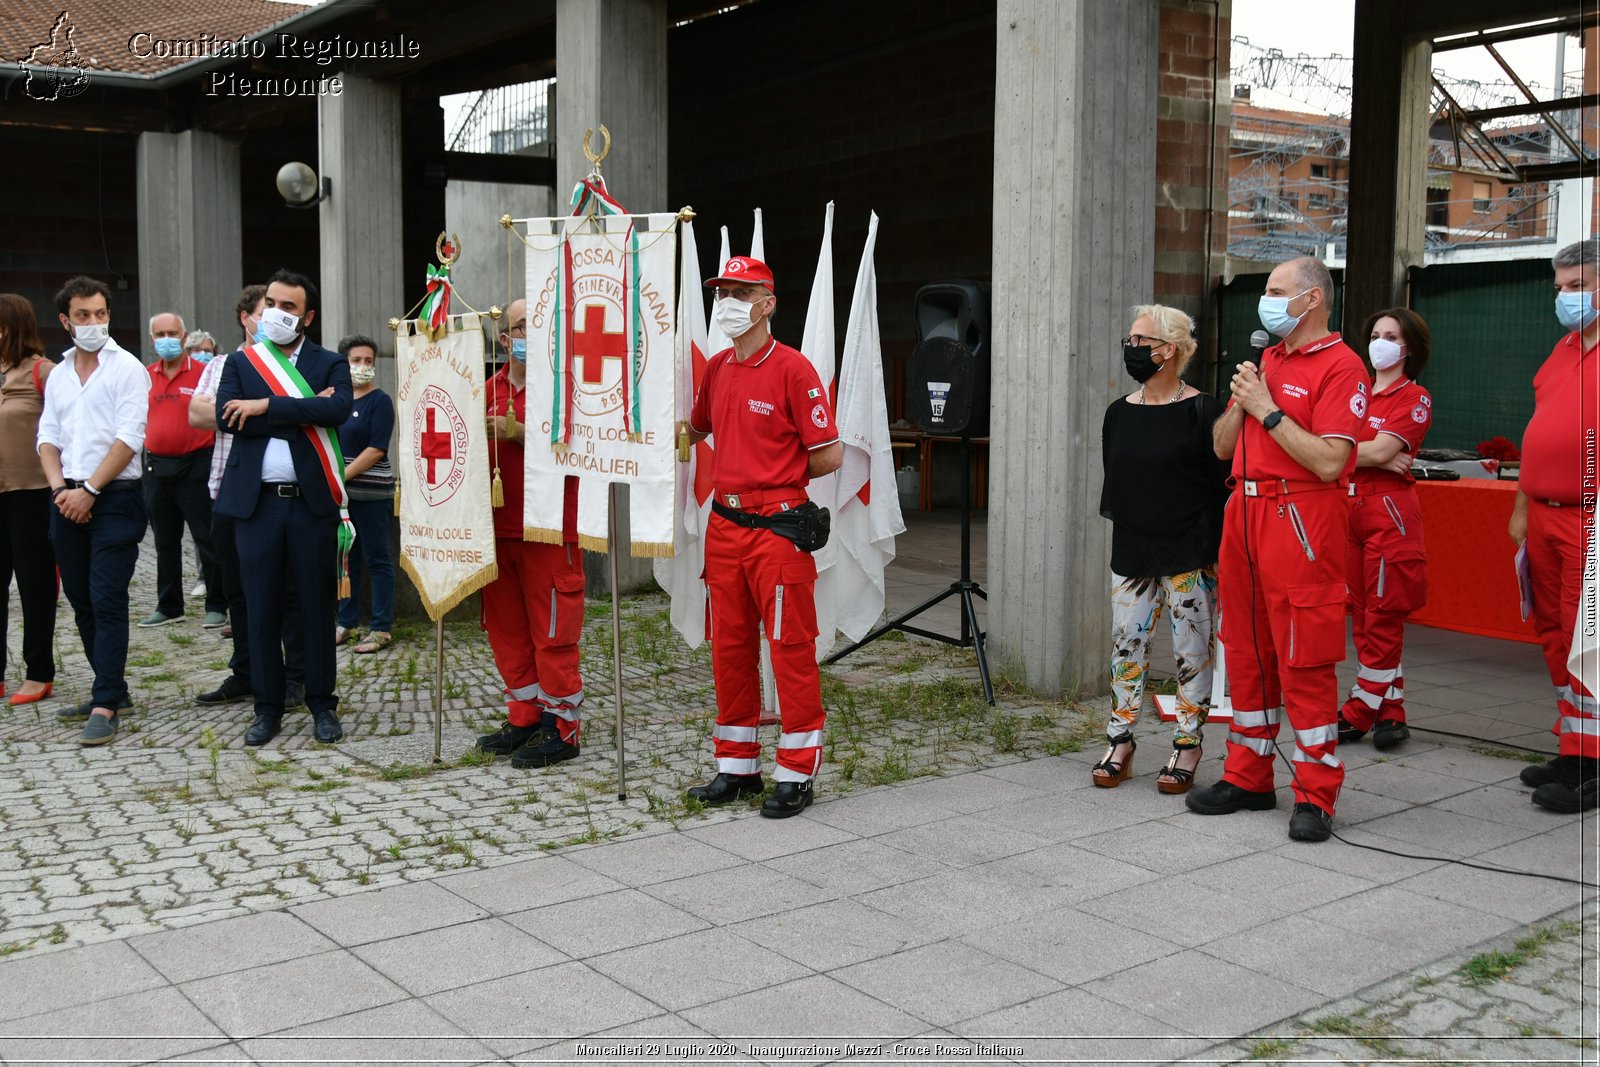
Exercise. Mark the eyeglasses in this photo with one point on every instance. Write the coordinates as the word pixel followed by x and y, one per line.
pixel 1139 340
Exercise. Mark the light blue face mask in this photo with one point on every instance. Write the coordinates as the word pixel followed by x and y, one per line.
pixel 200 355
pixel 519 349
pixel 1576 310
pixel 169 347
pixel 1274 314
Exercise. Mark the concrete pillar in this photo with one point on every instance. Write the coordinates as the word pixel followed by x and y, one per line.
pixel 1388 161
pixel 361 276
pixel 611 68
pixel 1074 230
pixel 190 249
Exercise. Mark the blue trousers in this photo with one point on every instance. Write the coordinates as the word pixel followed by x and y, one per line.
pixel 96 561
pixel 371 552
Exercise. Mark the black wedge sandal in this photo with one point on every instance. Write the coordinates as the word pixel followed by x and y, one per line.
pixel 1173 779
pixel 1109 773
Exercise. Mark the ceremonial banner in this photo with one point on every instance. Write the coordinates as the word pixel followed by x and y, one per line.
pixel 867 516
pixel 817 343
pixel 442 464
pixel 601 390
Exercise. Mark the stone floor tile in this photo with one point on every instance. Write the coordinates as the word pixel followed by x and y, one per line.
pixel 1430 830
pixel 409 909
pixel 857 866
pixel 1287 884
pixel 1182 909
pixel 1196 993
pixel 77 976
pixel 1161 847
pixel 755 838
pixel 835 933
pixel 962 840
pixel 230 945
pixel 463 954
pixel 947 982
pixel 970 792
pixel 1410 918
pixel 1334 963
pixel 1071 946
pixel 531 1010
pixel 519 886
pixel 817 1006
pixel 882 811
pixel 1063 816
pixel 149 1025
pixel 647 860
pixel 1398 779
pixel 597 925
pixel 710 965
pixel 289 994
pixel 405 1031
pixel 1120 1035
pixel 738 893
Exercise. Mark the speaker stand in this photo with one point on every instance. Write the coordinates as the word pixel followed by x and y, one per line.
pixel 963 587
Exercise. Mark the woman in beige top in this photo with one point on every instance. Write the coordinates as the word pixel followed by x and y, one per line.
pixel 25 500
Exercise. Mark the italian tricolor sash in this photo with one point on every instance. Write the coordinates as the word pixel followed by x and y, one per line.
pixel 284 380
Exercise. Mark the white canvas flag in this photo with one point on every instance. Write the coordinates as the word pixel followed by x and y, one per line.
pixel 601 384
pixel 867 515
pixel 441 453
pixel 818 345
pixel 1583 663
pixel 680 576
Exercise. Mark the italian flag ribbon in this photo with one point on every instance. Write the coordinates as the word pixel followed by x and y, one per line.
pixel 284 379
pixel 436 304
pixel 591 196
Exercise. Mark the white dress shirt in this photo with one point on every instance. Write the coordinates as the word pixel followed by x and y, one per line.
pixel 278 463
pixel 206 388
pixel 84 419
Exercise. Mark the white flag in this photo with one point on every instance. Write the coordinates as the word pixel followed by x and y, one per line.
pixel 680 576
pixel 817 342
pixel 758 242
pixel 1583 662
pixel 867 515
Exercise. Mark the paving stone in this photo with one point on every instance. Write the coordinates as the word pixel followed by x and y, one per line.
pixel 755 838
pixel 697 968
pixel 520 886
pixel 153 1024
pixel 738 893
pixel 647 860
pixel 1071 946
pixel 67 979
pixel 353 920
pixel 279 996
pixel 946 983
pixel 406 1030
pixel 525 1011
pixel 835 933
pixel 595 925
pixel 817 1006
pixel 856 866
pixel 230 945
pixel 436 960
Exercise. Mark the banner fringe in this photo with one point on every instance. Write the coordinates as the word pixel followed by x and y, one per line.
pixel 653 550
pixel 542 535
pixel 438 609
pixel 590 543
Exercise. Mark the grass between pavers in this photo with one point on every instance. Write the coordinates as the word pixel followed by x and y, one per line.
pixel 1487 967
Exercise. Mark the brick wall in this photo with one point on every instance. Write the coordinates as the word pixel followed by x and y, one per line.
pixel 1194 37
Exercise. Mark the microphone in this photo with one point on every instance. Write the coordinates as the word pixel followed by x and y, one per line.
pixel 1259 342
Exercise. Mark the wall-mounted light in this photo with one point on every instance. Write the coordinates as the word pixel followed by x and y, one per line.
pixel 297 184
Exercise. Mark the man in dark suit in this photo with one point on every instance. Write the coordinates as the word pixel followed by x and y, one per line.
pixel 286 497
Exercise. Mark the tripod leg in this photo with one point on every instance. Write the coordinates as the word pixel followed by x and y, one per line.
pixel 894 623
pixel 970 614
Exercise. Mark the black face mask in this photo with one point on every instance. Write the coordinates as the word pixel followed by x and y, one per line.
pixel 1140 362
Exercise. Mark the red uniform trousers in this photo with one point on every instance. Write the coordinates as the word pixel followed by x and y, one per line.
pixel 757 578
pixel 1386 570
pixel 534 615
pixel 1557 537
pixel 1281 588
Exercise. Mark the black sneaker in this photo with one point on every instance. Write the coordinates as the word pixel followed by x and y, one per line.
pixel 1225 798
pixel 1349 734
pixel 232 690
pixel 544 750
pixel 1309 823
pixel 507 739
pixel 1389 733
pixel 1569 799
pixel 1556 770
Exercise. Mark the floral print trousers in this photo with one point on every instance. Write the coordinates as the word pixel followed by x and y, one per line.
pixel 1191 601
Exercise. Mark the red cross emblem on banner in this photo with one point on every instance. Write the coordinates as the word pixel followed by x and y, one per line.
pixel 594 344
pixel 439 444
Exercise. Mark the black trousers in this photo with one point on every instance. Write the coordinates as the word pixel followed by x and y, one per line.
pixel 96 560
pixel 285 545
pixel 176 494
pixel 224 531
pixel 25 552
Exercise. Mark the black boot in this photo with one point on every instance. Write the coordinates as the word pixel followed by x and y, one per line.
pixel 726 787
pixel 1225 798
pixel 1545 773
pixel 507 739
pixel 789 798
pixel 1309 823
pixel 1389 733
pixel 1576 787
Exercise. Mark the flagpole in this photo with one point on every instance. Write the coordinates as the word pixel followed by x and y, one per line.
pixel 438 688
pixel 616 633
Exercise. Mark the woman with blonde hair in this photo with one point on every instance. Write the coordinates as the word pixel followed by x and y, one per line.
pixel 1164 491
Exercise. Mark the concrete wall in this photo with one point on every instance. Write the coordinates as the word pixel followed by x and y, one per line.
pixel 473 210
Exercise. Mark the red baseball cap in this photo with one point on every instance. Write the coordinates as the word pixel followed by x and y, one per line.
pixel 742 270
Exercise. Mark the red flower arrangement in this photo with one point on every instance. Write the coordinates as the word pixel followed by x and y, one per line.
pixel 1499 448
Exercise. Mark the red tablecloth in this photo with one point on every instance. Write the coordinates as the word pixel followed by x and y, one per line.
pixel 1472 584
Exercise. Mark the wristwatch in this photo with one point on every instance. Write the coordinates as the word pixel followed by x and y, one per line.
pixel 1270 423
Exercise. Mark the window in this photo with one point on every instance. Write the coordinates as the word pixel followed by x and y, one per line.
pixel 1438 207
pixel 1481 201
pixel 1317 202
pixel 1319 170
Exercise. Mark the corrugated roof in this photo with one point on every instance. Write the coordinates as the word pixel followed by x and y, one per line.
pixel 131 36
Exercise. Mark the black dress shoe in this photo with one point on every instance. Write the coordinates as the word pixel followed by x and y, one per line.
pixel 1555 770
pixel 1309 823
pixel 1389 733
pixel 507 739
pixel 1348 734
pixel 788 798
pixel 543 750
pixel 327 726
pixel 726 787
pixel 294 695
pixel 232 690
pixel 1225 798
pixel 264 729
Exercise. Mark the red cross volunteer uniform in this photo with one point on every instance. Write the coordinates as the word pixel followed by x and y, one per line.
pixel 1557 446
pixel 1385 564
pixel 1281 575
pixel 768 412
pixel 533 612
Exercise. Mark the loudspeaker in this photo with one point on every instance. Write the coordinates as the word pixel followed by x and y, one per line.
pixel 947 377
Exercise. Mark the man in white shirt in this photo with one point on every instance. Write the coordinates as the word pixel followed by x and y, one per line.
pixel 90 434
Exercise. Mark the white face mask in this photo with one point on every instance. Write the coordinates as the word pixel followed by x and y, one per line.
pixel 91 336
pixel 733 317
pixel 280 327
pixel 361 374
pixel 1384 353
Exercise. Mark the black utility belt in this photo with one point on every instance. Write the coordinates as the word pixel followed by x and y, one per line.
pixel 807 525
pixel 116 485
